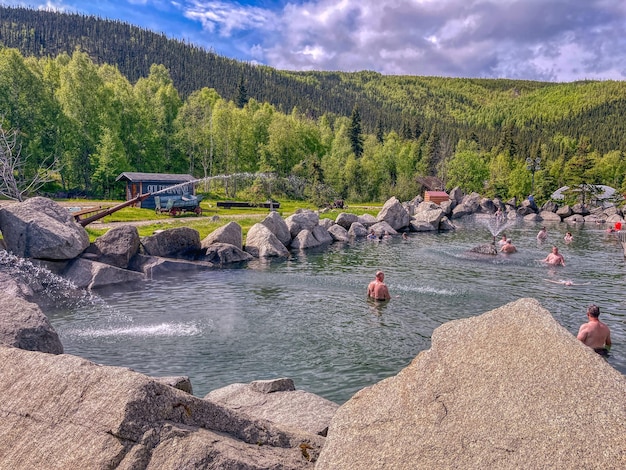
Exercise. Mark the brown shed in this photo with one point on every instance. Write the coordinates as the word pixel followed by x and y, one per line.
pixel 436 196
pixel 142 183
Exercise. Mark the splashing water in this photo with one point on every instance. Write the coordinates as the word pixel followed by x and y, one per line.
pixel 44 283
pixel 496 224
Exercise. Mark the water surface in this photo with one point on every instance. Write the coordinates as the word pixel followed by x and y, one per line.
pixel 307 318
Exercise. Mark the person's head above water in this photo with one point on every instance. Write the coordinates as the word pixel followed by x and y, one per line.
pixel 380 275
pixel 593 311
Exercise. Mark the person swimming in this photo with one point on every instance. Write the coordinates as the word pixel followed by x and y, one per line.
pixel 566 282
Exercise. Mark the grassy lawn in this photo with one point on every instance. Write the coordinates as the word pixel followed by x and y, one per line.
pixel 211 219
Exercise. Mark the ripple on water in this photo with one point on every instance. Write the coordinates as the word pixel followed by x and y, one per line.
pixel 307 318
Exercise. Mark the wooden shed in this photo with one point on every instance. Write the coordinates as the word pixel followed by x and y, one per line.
pixel 436 196
pixel 143 183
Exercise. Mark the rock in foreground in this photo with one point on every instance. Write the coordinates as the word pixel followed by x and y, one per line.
pixel 508 389
pixel 61 412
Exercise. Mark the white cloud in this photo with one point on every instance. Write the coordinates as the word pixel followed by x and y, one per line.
pixel 545 40
pixel 225 18
pixel 558 40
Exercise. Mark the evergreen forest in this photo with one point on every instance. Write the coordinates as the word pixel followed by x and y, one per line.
pixel 83 99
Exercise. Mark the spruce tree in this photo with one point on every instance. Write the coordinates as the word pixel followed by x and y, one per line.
pixel 356 133
pixel 380 132
pixel 242 94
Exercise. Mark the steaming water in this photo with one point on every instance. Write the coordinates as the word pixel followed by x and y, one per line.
pixel 307 318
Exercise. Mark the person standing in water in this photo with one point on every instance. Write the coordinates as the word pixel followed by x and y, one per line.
pixel 555 258
pixel 508 247
pixel 542 235
pixel 594 333
pixel 377 289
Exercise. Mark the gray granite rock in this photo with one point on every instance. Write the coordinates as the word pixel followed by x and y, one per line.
pixel 508 389
pixel 279 402
pixel 41 228
pixel 62 412
pixel 230 233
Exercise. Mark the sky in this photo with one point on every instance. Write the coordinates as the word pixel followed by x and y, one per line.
pixel 544 40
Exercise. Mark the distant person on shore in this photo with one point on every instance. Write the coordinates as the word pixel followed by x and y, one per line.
pixel 568 237
pixel 377 289
pixel 594 333
pixel 372 235
pixel 542 236
pixel 404 236
pixel 554 258
pixel 508 247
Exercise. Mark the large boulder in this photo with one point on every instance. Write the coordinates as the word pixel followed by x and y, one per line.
pixel 155 266
pixel 564 211
pixel 427 218
pixel 394 213
pixel 277 225
pixel 326 223
pixel 508 389
pixel 302 220
pixel 41 228
pixel 456 195
pixel 487 206
pixel 383 228
pixel 549 216
pixel 180 242
pixel 230 233
pixel 346 219
pixel 61 412
pixel 338 233
pixel 472 202
pixel 117 246
pixel 262 243
pixel 92 274
pixel 279 402
pixel 223 253
pixel 304 240
pixel 460 210
pixel 367 220
pixel 22 323
pixel 357 230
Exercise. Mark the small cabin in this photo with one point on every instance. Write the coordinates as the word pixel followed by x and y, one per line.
pixel 161 183
pixel 436 197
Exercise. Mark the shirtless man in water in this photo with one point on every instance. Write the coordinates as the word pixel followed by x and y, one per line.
pixel 377 289
pixel 508 247
pixel 555 258
pixel 594 333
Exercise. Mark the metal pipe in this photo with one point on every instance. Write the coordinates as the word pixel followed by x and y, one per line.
pixel 84 222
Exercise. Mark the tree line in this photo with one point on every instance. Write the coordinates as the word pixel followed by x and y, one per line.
pixel 360 136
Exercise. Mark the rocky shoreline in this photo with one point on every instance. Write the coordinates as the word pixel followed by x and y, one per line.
pixel 509 389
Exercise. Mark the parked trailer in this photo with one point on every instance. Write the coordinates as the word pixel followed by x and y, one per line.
pixel 178 204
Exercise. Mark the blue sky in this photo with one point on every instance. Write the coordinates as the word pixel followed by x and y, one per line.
pixel 546 40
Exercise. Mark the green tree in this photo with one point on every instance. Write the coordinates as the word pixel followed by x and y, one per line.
pixel 82 97
pixel 109 161
pixel 158 103
pixel 28 106
pixel 467 168
pixel 242 94
pixel 356 133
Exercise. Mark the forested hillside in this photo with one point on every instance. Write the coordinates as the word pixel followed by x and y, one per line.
pixel 363 135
